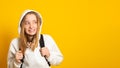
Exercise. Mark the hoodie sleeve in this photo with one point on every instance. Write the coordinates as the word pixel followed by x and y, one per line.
pixel 56 56
pixel 11 63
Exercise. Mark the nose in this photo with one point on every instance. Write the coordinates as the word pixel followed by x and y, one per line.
pixel 31 25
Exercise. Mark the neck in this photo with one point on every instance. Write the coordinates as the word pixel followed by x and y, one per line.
pixel 30 38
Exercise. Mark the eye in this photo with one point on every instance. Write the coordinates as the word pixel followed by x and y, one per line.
pixel 26 22
pixel 35 22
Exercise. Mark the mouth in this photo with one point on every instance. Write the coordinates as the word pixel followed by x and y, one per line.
pixel 31 30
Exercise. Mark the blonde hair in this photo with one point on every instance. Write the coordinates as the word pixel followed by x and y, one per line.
pixel 23 37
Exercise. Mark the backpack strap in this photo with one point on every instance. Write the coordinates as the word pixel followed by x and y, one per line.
pixel 41 41
pixel 22 60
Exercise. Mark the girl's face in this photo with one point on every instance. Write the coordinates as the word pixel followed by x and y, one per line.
pixel 30 24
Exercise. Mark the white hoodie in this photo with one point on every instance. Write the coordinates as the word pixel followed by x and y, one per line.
pixel 33 59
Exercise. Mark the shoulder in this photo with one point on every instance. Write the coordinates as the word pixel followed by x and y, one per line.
pixel 14 45
pixel 15 40
pixel 47 36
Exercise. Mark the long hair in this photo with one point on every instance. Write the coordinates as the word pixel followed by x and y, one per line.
pixel 23 37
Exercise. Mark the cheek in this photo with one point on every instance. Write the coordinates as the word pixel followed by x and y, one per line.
pixel 25 29
pixel 35 27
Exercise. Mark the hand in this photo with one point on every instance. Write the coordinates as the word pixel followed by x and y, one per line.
pixel 45 52
pixel 18 56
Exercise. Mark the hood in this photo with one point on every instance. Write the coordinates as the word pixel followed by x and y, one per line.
pixel 23 14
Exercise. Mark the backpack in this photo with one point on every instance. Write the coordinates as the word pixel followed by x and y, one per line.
pixel 41 41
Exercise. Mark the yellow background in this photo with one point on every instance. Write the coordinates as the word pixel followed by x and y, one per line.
pixel 86 31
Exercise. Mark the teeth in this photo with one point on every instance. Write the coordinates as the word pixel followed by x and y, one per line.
pixel 31 30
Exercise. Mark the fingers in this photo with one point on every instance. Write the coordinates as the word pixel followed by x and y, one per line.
pixel 44 52
pixel 18 56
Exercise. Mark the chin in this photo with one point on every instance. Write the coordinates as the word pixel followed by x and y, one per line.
pixel 32 34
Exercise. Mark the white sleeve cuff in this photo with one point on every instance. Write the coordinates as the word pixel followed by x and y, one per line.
pixel 16 64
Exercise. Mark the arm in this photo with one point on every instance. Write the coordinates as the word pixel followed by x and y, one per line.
pixel 11 62
pixel 56 56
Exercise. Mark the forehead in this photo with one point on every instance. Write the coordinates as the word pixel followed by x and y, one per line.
pixel 30 17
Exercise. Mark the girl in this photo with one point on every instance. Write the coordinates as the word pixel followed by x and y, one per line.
pixel 25 51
